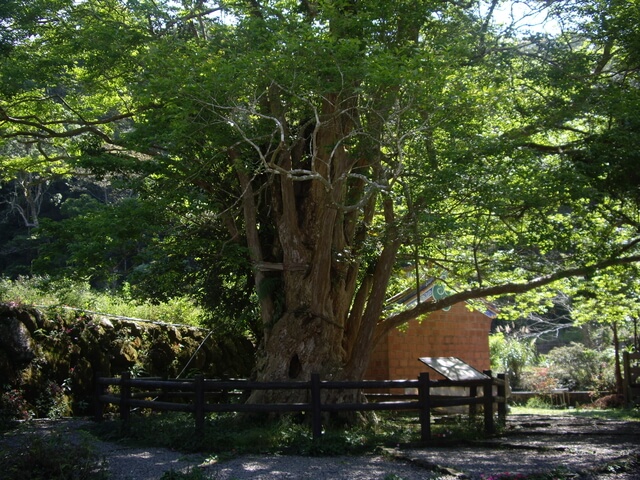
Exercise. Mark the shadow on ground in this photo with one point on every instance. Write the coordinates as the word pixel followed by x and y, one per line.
pixel 536 447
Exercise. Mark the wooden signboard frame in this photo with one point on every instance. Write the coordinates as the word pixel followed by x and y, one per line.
pixel 452 368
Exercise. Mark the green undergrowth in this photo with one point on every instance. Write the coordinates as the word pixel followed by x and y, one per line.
pixel 44 292
pixel 228 435
pixel 52 457
pixel 56 456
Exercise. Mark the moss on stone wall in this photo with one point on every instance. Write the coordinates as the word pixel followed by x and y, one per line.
pixel 48 359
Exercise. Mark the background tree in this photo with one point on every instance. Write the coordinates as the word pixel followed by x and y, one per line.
pixel 334 141
pixel 612 298
pixel 511 355
pixel 602 309
pixel 577 367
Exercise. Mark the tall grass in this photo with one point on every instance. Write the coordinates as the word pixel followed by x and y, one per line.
pixel 45 292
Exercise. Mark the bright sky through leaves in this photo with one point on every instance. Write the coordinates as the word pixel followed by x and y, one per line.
pixel 523 17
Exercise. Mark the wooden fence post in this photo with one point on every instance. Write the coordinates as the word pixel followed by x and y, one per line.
pixel 316 410
pixel 125 396
pixel 626 384
pixel 502 404
pixel 473 407
pixel 98 389
pixel 163 390
pixel 198 408
pixel 487 391
pixel 424 398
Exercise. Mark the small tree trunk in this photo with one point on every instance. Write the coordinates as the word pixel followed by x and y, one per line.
pixel 618 369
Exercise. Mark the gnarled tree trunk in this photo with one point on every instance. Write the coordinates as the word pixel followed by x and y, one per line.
pixel 322 315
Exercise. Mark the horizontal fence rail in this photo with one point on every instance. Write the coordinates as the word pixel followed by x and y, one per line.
pixel 156 394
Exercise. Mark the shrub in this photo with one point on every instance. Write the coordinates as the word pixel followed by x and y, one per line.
pixel 580 368
pixel 52 457
pixel 539 380
pixel 13 406
pixel 53 401
pixel 541 402
pixel 511 356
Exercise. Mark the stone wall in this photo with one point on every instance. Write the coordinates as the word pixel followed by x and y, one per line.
pixel 48 359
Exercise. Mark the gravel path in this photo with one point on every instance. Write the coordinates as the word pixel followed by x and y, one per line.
pixel 590 449
pixel 587 447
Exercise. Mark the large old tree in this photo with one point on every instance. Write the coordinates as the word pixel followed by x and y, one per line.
pixel 352 148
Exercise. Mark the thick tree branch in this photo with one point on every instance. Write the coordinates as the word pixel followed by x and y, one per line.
pixel 44 129
pixel 253 241
pixel 376 299
pixel 401 318
pixel 192 15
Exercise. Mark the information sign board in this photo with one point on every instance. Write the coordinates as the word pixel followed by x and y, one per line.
pixel 452 368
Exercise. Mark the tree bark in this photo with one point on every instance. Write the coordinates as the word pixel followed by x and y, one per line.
pixel 306 335
pixel 616 352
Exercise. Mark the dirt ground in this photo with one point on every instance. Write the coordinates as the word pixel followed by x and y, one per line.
pixel 561 446
pixel 564 445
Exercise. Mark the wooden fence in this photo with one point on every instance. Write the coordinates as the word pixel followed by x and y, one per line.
pixel 155 394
